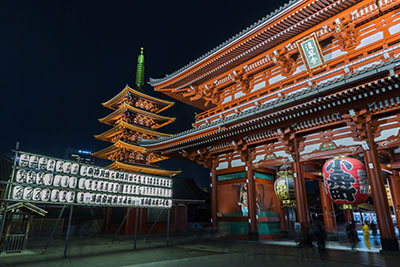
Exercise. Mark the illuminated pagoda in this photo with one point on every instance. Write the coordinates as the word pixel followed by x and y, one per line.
pixel 313 80
pixel 134 117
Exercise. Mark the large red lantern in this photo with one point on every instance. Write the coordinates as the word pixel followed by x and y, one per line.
pixel 346 181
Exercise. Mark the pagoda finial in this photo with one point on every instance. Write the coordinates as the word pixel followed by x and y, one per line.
pixel 140 70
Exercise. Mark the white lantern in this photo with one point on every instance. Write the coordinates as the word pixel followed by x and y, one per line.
pixel 31 177
pixel 33 162
pixel 24 160
pixel 94 185
pixel 45 195
pixel 51 164
pixel 90 171
pixel 87 198
pixel 59 166
pixel 57 180
pixel 65 181
pixel 43 163
pixel 72 182
pixel 74 168
pixel 18 192
pixel 48 179
pixel 40 178
pixel 55 195
pixel 70 196
pixel 83 171
pixel 80 198
pixel 62 196
pixel 96 172
pixel 37 194
pixel 21 176
pixel 81 183
pixel 67 167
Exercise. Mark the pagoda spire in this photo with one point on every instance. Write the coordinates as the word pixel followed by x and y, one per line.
pixel 140 70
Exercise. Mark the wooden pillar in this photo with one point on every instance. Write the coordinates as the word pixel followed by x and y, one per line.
pixel 327 209
pixel 251 198
pixel 394 183
pixel 348 215
pixel 214 195
pixel 282 215
pixel 301 196
pixel 385 224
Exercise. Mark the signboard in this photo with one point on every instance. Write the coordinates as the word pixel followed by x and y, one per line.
pixel 42 179
pixel 311 52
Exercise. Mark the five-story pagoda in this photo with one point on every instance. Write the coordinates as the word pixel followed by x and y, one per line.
pixel 134 117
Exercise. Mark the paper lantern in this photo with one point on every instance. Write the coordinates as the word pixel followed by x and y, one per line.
pixel 284 188
pixel 345 181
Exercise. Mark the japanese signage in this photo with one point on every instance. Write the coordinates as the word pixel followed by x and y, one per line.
pixel 310 52
pixel 346 181
pixel 42 179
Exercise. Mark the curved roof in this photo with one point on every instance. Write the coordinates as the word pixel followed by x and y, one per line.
pixel 225 44
pixel 125 107
pixel 123 126
pixel 141 169
pixel 128 90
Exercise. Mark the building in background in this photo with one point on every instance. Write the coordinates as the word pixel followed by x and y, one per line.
pixel 79 155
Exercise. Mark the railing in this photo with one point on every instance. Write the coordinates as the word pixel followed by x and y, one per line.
pixel 14 243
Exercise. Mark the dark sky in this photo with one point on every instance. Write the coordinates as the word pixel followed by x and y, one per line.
pixel 61 59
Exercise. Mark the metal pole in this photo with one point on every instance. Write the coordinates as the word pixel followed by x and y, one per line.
pixel 136 226
pixel 151 229
pixel 169 216
pixel 71 209
pixel 54 230
pixel 3 223
pixel 7 194
pixel 120 226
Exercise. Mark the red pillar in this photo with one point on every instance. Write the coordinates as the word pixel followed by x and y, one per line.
pixel 214 196
pixel 394 183
pixel 251 198
pixel 301 196
pixel 282 215
pixel 348 215
pixel 385 224
pixel 327 209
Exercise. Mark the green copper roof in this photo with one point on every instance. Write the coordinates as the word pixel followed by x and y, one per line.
pixel 140 70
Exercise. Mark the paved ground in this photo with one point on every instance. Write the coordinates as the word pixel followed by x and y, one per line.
pixel 184 252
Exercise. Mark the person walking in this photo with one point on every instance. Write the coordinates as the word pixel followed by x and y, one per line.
pixel 320 237
pixel 365 230
pixel 352 234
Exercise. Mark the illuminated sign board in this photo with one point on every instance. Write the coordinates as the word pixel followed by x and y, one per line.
pixel 42 179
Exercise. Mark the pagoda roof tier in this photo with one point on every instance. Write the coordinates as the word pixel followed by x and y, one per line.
pixel 154 121
pixel 129 132
pixel 128 153
pixel 282 25
pixel 141 169
pixel 154 105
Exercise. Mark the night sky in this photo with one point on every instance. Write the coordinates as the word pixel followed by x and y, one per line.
pixel 61 59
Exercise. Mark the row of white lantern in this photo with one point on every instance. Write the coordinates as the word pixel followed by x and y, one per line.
pixel 41 178
pixel 114 200
pixel 42 194
pixel 148 191
pixel 65 196
pixel 67 167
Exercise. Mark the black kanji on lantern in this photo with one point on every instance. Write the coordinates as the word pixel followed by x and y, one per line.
pixel 340 183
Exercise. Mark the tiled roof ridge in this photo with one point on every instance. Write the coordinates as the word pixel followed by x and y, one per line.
pixel 230 40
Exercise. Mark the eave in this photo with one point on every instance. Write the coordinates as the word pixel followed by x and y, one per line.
pixel 113 101
pixel 125 107
pixel 117 146
pixel 122 126
pixel 140 169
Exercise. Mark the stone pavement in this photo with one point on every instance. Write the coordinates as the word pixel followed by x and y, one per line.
pixel 185 251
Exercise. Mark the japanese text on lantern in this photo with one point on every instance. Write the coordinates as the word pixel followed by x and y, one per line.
pixel 340 183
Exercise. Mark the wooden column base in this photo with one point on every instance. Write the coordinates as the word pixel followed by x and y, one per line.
pixel 390 244
pixel 254 236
